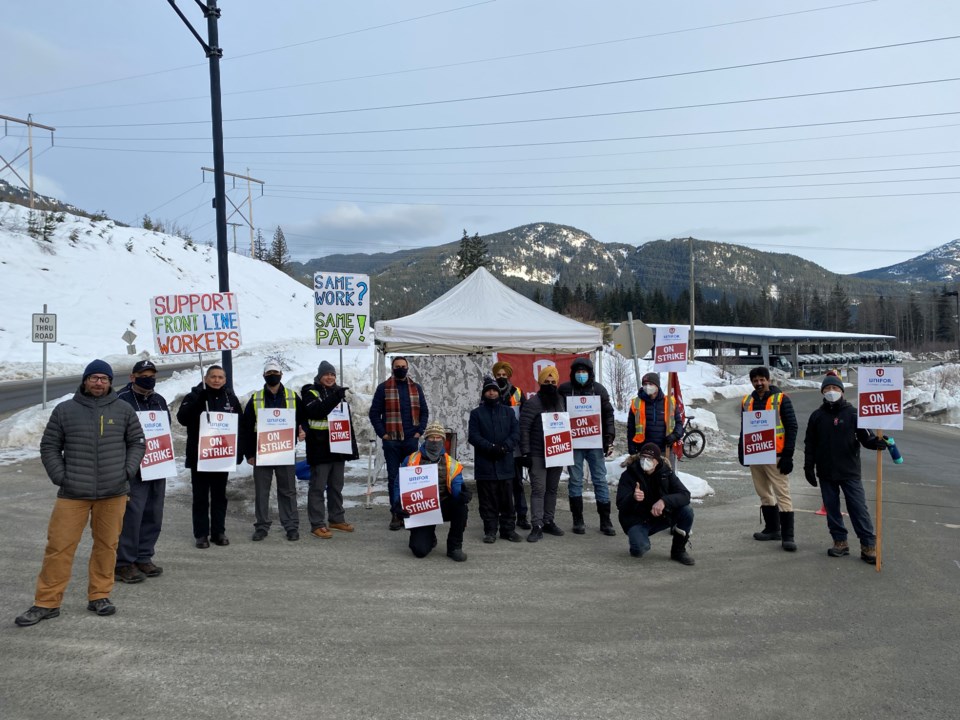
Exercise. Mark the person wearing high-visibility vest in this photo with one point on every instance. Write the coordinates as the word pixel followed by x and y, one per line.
pixel 454 495
pixel 771 481
pixel 653 417
pixel 512 396
pixel 272 395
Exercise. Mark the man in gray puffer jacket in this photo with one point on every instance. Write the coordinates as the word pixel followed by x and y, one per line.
pixel 91 447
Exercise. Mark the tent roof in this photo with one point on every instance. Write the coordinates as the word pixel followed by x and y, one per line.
pixel 481 314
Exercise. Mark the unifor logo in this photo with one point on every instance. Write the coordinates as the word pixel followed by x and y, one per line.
pixel 219 417
pixel 418 470
pixel 672 330
pixel 276 413
pixel 556 416
pixel 583 400
pixel 757 415
pixel 879 372
pixel 153 416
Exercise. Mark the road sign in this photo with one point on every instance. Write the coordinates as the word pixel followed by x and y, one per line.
pixel 643 335
pixel 44 328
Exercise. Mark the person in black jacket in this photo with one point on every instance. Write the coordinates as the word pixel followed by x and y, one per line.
pixel 513 397
pixel 494 432
pixel 326 467
pixel 582 382
pixel 651 498
pixel 831 452
pixel 209 488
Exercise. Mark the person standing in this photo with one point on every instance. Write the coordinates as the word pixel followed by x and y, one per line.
pixel 544 480
pixel 272 395
pixel 399 414
pixel 91 447
pixel 493 430
pixel 454 495
pixel 582 382
pixel 650 499
pixel 771 481
pixel 326 467
pixel 512 396
pixel 653 417
pixel 144 514
pixel 209 488
pixel 831 454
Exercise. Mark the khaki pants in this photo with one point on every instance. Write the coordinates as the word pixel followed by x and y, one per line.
pixel 772 486
pixel 67 521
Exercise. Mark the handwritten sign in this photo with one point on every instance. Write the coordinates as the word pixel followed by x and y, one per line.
pixel 340 431
pixel 158 461
pixel 217 447
pixel 557 442
pixel 760 437
pixel 585 421
pixel 880 398
pixel 276 436
pixel 341 309
pixel 195 323
pixel 670 349
pixel 420 495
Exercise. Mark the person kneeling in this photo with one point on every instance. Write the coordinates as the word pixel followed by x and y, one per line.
pixel 651 498
pixel 454 495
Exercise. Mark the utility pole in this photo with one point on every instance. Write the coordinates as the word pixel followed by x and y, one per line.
pixel 234 226
pixel 691 356
pixel 30 126
pixel 956 294
pixel 248 202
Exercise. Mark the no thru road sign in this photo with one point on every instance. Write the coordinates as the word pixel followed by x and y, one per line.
pixel 44 327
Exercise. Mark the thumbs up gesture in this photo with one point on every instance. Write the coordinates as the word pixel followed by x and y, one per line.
pixel 638 493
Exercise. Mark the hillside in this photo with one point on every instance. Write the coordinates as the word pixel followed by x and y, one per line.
pixel 941 265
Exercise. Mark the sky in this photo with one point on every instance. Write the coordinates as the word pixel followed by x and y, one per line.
pixel 823 128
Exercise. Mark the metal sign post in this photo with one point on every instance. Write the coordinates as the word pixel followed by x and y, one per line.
pixel 44 331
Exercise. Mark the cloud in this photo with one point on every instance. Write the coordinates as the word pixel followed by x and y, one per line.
pixel 349 228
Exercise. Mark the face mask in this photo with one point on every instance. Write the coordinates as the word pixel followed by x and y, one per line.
pixel 271 380
pixel 400 373
pixel 648 464
pixel 650 390
pixel 433 449
pixel 832 395
pixel 147 383
pixel 581 378
pixel 503 382
pixel 491 402
pixel 548 390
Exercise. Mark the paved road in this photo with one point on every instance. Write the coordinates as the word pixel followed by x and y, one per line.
pixel 571 627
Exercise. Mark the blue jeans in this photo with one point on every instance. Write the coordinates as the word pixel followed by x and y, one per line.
pixel 639 535
pixel 856 507
pixel 394 451
pixel 598 474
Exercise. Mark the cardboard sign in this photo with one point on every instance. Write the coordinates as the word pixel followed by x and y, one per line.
pixel 158 461
pixel 420 495
pixel 584 413
pixel 670 349
pixel 195 323
pixel 760 437
pixel 340 431
pixel 217 447
pixel 880 398
pixel 276 436
pixel 557 442
pixel 527 366
pixel 341 310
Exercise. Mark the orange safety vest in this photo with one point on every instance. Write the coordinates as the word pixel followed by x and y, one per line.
pixel 773 403
pixel 515 397
pixel 453 467
pixel 640 416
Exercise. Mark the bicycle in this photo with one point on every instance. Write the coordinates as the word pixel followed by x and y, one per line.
pixel 693 440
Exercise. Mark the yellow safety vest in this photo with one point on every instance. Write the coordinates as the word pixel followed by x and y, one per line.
pixel 453 467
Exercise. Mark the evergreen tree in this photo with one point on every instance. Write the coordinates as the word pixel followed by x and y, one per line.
pixel 279 255
pixel 260 247
pixel 473 254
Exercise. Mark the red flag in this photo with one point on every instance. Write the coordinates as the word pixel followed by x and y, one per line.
pixel 673 390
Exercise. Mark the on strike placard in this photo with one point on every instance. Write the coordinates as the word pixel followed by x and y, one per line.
pixel 420 495
pixel 670 349
pixel 880 398
pixel 158 461
pixel 585 429
pixel 557 442
pixel 760 437
pixel 195 323
pixel 276 436
pixel 341 314
pixel 217 445
pixel 341 434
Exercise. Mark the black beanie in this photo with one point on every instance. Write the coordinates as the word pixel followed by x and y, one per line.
pixel 325 368
pixel 831 380
pixel 100 367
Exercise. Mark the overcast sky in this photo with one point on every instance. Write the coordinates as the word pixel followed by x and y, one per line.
pixel 383 125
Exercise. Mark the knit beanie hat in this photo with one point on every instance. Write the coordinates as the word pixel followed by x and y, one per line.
pixel 326 368
pixel 503 365
pixel 435 428
pixel 98 367
pixel 489 384
pixel 550 371
pixel 651 378
pixel 831 380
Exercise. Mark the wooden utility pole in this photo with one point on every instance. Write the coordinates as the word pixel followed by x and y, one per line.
pixel 30 126
pixel 248 219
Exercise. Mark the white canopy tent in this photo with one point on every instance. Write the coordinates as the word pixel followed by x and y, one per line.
pixel 482 315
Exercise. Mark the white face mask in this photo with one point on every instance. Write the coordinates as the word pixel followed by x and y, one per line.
pixel 650 390
pixel 648 464
pixel 832 395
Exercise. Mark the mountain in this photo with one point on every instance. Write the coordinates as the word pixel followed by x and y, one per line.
pixel 940 265
pixel 21 196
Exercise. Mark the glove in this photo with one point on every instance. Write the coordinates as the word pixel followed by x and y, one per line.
pixel 342 392
pixel 404 514
pixel 810 475
pixel 785 464
pixel 525 461
pixel 465 495
pixel 879 443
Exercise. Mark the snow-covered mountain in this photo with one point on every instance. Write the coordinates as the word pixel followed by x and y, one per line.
pixel 942 264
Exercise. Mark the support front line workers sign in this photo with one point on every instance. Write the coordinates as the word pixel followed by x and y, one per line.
pixel 158 462
pixel 585 421
pixel 557 440
pixel 420 495
pixel 217 446
pixel 195 323
pixel 276 436
pixel 880 398
pixel 760 437
pixel 670 349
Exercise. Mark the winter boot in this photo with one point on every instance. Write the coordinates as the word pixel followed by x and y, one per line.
pixel 522 522
pixel 868 553
pixel 606 527
pixel 786 530
pixel 456 553
pixel 678 551
pixel 536 534
pixel 771 523
pixel 839 549
pixel 576 507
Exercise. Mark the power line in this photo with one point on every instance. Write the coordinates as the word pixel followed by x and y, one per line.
pixel 177 197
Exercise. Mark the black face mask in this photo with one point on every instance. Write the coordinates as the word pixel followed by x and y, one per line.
pixel 491 402
pixel 400 373
pixel 503 383
pixel 272 380
pixel 548 391
pixel 147 383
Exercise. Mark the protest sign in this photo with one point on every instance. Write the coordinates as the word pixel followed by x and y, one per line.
pixel 340 430
pixel 276 436
pixel 760 437
pixel 420 495
pixel 341 309
pixel 195 323
pixel 217 447
pixel 880 398
pixel 670 349
pixel 158 461
pixel 557 443
pixel 585 421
